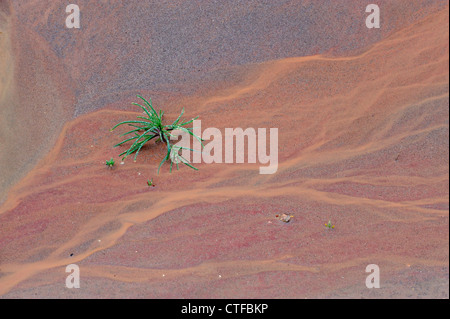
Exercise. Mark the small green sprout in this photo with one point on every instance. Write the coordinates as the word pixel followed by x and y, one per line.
pixel 329 225
pixel 110 163
pixel 150 183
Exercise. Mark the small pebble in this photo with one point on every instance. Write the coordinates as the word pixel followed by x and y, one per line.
pixel 285 218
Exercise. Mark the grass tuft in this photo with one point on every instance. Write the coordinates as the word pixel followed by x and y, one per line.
pixel 150 127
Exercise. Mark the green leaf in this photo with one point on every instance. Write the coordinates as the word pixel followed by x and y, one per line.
pixel 144 108
pixel 142 144
pixel 128 122
pixel 126 141
pixel 179 117
pixel 148 104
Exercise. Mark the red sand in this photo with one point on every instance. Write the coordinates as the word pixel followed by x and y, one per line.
pixel 363 141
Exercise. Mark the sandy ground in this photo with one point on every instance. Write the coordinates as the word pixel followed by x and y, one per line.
pixel 363 141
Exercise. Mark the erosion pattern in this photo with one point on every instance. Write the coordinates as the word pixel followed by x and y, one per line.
pixel 363 142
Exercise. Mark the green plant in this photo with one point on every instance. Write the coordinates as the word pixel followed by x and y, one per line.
pixel 110 163
pixel 329 225
pixel 150 183
pixel 152 127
